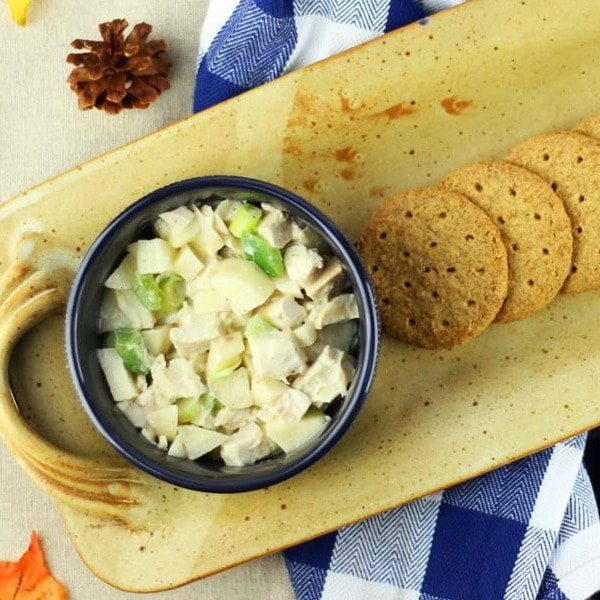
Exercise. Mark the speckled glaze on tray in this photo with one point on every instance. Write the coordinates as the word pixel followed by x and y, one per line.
pixel 400 112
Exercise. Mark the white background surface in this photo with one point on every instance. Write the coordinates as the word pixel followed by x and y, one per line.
pixel 42 133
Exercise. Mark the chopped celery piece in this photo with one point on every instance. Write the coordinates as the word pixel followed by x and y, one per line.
pixel 209 402
pixel 130 346
pixel 164 292
pixel 147 291
pixel 172 291
pixel 189 409
pixel 246 220
pixel 267 257
pixel 256 325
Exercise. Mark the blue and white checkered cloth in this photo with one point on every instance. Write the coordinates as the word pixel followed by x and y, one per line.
pixel 527 531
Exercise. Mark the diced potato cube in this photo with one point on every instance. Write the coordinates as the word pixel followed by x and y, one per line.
pixel 164 421
pixel 177 448
pixel 198 441
pixel 266 392
pixel 187 264
pixel 233 390
pixel 135 413
pixel 157 340
pixel 120 381
pixel 122 277
pixel 111 316
pixel 243 285
pixel 154 256
pixel 291 435
pixel 178 227
pixel 227 209
pixel 137 315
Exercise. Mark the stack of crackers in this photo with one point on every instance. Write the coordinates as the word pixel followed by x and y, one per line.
pixel 494 241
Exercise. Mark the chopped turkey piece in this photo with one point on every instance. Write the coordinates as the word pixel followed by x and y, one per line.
pixel 195 333
pixel 292 404
pixel 207 241
pixel 284 312
pixel 340 308
pixel 231 419
pixel 275 227
pixel 177 380
pixel 301 263
pixel 325 282
pixel 325 379
pixel 305 334
pixel 286 286
pixel 245 447
pixel 275 355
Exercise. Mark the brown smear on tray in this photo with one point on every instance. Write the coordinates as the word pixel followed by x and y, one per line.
pixel 455 107
pixel 309 184
pixel 396 111
pixel 346 154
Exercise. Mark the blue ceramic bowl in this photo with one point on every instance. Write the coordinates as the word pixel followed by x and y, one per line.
pixel 83 338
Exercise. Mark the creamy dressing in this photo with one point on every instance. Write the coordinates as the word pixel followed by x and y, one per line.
pixel 229 334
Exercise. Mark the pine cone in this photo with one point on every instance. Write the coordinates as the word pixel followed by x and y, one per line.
pixel 119 72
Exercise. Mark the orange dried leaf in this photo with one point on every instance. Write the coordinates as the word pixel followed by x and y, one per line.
pixel 29 579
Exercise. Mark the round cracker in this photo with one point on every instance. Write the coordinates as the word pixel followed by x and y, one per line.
pixel 438 265
pixel 534 226
pixel 591 127
pixel 570 162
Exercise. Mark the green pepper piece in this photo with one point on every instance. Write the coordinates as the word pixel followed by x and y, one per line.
pixel 246 220
pixel 130 346
pixel 267 257
pixel 256 325
pixel 147 291
pixel 172 291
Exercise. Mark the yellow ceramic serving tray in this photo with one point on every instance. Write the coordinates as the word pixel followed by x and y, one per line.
pixel 399 112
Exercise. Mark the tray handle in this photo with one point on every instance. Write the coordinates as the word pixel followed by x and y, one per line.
pixel 104 487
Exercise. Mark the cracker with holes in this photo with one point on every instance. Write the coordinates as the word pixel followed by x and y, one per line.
pixel 534 226
pixel 591 127
pixel 570 162
pixel 439 267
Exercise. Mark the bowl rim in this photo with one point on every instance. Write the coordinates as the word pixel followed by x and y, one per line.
pixel 364 374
